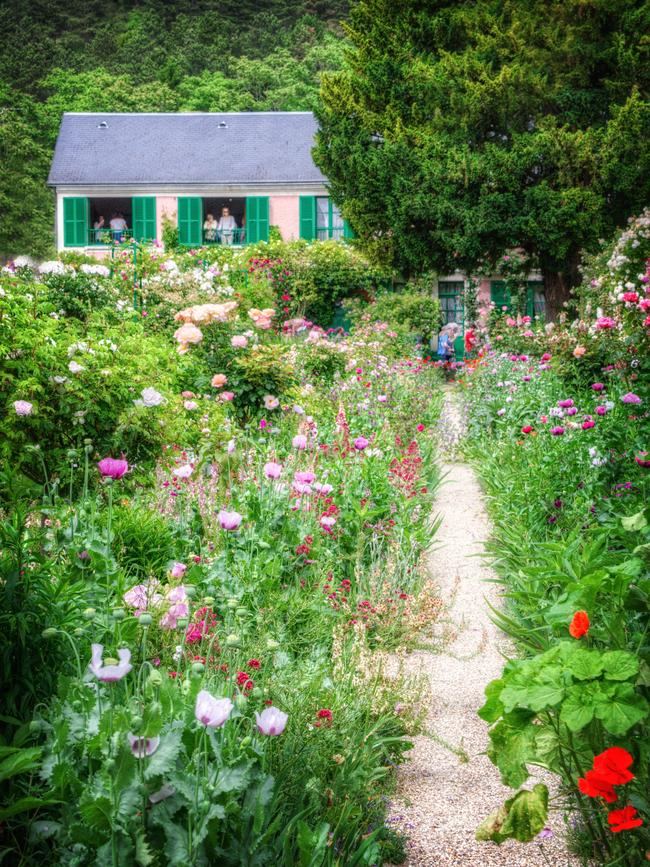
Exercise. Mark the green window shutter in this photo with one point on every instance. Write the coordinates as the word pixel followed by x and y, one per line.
pixel 347 230
pixel 257 218
pixel 190 221
pixel 498 294
pixel 308 217
pixel 144 218
pixel 75 221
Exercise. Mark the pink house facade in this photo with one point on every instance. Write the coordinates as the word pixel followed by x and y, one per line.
pixel 217 178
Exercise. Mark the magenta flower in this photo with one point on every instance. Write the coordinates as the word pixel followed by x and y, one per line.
pixel 565 403
pixel 630 397
pixel 178 570
pixel 572 410
pixel 601 410
pixel 141 747
pixel 23 407
pixel 113 468
pixel 299 442
pixel 229 520
pixel 271 721
pixel 598 386
pixel 605 322
pixel 263 423
pixel 557 431
pixel 272 470
pixel 643 460
pixel 588 423
pixel 210 711
pixel 361 443
pixel 109 673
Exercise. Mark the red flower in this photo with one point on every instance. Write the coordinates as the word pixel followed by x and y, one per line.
pixel 325 714
pixel 613 766
pixel 624 820
pixel 242 677
pixel 527 429
pixel 253 663
pixel 420 428
pixel 595 786
pixel 579 625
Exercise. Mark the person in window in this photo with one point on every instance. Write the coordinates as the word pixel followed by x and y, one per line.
pixel 118 226
pixel 226 226
pixel 210 228
pixel 98 225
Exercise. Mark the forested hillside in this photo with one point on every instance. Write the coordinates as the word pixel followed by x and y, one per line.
pixel 94 55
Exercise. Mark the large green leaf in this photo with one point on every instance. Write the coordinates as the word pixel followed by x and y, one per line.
pixel 96 812
pixel 23 805
pixel 512 746
pixel 620 665
pixel 19 762
pixel 164 759
pixel 620 707
pixel 493 707
pixel 520 818
pixel 585 664
pixel 234 779
pixel 579 706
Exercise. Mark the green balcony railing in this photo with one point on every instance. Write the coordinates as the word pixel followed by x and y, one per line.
pixel 106 236
pixel 225 237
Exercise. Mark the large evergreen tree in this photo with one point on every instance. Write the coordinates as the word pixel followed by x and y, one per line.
pixel 460 129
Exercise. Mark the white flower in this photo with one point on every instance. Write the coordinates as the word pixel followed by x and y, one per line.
pixel 98 270
pixel 151 397
pixel 73 367
pixel 184 472
pixel 53 267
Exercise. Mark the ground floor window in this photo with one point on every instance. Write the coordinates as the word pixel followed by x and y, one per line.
pixel 224 220
pixel 329 222
pixel 104 220
pixel 535 304
pixel 451 297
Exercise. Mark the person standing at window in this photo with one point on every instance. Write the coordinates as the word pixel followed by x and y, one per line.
pixel 118 226
pixel 226 226
pixel 210 228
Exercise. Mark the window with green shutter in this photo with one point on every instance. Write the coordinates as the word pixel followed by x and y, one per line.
pixel 499 295
pixel 75 221
pixel 190 221
pixel 308 217
pixel 257 218
pixel 144 218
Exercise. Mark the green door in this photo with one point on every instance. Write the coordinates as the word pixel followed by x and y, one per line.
pixel 257 219
pixel 451 295
pixel 190 221
pixel 76 221
pixel 144 218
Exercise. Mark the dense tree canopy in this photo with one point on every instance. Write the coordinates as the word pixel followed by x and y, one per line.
pixel 460 129
pixel 114 55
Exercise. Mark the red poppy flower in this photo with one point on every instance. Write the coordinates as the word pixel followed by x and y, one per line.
pixel 579 625
pixel 624 820
pixel 526 429
pixel 613 765
pixel 593 785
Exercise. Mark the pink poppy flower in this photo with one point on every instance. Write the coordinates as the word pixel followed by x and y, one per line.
pixel 361 443
pixel 557 431
pixel 210 711
pixel 630 397
pixel 141 747
pixel 229 520
pixel 109 673
pixel 23 407
pixel 299 442
pixel 271 721
pixel 178 570
pixel 272 470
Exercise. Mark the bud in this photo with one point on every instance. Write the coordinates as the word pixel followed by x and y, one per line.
pixel 241 612
pixel 155 678
pixel 35 726
pixel 71 455
pixel 118 614
pixel 240 701
pixel 50 632
pixel 208 600
pixel 232 604
pixel 245 741
pixel 233 641
pixel 145 620
pixel 256 692
pixel 78 632
pixel 198 668
pixel 89 613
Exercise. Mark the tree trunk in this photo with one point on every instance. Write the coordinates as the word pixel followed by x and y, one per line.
pixel 558 285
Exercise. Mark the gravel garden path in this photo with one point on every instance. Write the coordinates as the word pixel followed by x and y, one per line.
pixel 447 786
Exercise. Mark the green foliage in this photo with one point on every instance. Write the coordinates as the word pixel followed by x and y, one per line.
pixel 418 312
pixel 458 131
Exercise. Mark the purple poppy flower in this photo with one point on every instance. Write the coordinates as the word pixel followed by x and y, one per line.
pixel 272 470
pixel 142 747
pixel 630 397
pixel 557 431
pixel 361 443
pixel 299 442
pixel 113 468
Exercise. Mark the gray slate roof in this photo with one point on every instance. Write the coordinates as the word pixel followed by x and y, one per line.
pixel 185 148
